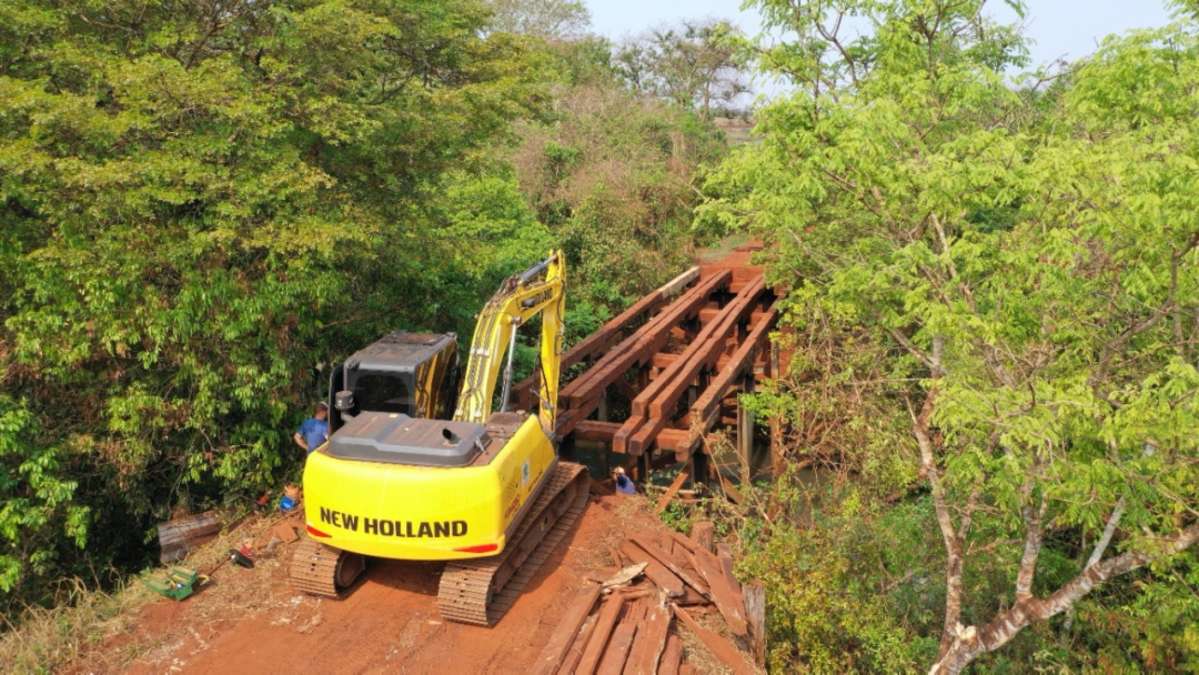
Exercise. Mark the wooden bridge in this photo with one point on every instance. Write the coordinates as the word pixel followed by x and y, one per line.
pixel 652 381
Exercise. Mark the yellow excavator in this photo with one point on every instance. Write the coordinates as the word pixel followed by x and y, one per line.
pixel 483 491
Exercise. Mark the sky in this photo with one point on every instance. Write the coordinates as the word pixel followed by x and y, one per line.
pixel 1059 28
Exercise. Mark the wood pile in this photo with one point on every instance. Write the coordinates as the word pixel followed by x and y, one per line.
pixel 177 537
pixel 627 623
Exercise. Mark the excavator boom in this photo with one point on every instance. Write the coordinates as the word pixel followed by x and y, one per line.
pixel 538 290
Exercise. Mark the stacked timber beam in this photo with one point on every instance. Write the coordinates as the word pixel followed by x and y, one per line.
pixel 608 335
pixel 674 360
pixel 626 624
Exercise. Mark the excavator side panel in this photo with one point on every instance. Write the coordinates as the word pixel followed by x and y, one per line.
pixel 424 512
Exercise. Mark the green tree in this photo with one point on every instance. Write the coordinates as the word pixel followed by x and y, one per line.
pixel 201 203
pixel 998 283
pixel 548 19
pixel 697 66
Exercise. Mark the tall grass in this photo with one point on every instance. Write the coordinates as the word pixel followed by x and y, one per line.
pixel 43 640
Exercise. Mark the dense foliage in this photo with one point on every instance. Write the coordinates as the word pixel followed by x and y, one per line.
pixel 993 317
pixel 201 203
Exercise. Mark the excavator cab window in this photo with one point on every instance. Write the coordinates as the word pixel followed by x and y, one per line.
pixel 384 392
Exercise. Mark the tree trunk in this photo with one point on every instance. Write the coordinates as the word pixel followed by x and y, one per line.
pixel 970 642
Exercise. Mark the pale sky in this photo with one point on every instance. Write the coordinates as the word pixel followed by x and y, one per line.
pixel 1058 28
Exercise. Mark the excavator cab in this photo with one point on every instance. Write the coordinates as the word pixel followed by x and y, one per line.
pixel 408 373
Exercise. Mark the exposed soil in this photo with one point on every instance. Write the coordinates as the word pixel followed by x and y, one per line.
pixel 251 620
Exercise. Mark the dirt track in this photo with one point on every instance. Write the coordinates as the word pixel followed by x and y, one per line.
pixel 251 620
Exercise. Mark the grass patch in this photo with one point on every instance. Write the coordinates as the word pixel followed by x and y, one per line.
pixel 42 640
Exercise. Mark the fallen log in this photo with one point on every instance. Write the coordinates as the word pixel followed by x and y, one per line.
pixel 177 537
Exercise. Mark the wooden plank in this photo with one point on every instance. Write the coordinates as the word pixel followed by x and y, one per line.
pixel 671 491
pixel 656 571
pixel 725 555
pixel 575 654
pixel 640 345
pixel 704 410
pixel 725 592
pixel 690 598
pixel 685 542
pixel 564 633
pixel 725 651
pixel 650 642
pixel 672 656
pixel 598 641
pixel 671 564
pixel 594 430
pixel 603 338
pixel 755 614
pixel 703 533
pixel 622 640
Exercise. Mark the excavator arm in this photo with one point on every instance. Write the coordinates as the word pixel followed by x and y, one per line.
pixel 538 290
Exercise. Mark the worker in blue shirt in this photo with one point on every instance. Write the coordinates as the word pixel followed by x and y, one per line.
pixel 314 430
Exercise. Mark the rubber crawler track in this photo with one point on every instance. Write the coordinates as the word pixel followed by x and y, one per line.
pixel 481 591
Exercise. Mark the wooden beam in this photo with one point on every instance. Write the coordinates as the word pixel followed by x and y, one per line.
pixel 602 340
pixel 594 430
pixel 707 406
pixel 662 577
pixel 671 564
pixel 671 491
pixel 564 633
pixel 663 359
pixel 722 649
pixel 653 406
pixel 638 347
pixel 608 615
pixel 650 642
pixel 672 656
pixel 622 640
pixel 725 590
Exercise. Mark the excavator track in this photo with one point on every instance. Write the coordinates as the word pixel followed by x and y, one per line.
pixel 481 591
pixel 322 570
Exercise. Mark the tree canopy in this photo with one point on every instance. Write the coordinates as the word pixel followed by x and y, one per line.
pixel 203 204
pixel 991 297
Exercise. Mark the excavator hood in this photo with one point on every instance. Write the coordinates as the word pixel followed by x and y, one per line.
pixel 395 438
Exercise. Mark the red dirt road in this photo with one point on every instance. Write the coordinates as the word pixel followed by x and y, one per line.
pixel 250 621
